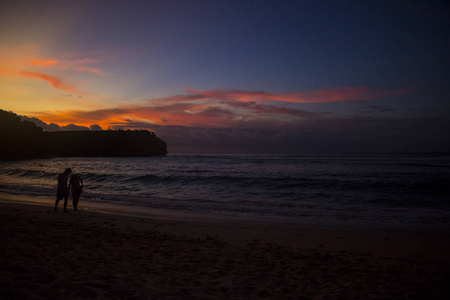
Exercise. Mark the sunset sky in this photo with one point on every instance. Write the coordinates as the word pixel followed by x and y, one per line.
pixel 306 77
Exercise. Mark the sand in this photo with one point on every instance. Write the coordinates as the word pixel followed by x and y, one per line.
pixel 91 255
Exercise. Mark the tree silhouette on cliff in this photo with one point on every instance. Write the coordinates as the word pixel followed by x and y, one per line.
pixel 24 140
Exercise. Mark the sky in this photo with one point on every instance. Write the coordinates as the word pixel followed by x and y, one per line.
pixel 294 77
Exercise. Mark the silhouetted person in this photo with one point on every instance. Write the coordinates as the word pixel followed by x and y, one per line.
pixel 63 190
pixel 76 188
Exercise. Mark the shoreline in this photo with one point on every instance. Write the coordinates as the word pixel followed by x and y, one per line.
pixel 241 230
pixel 189 215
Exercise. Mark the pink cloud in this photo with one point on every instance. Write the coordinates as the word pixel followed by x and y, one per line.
pixel 353 93
pixel 92 70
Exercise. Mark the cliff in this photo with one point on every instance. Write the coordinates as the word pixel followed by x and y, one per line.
pixel 24 140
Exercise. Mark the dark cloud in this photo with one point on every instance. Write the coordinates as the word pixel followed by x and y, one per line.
pixel 375 109
pixel 36 121
pixel 51 127
pixel 272 109
pixel 326 136
pixel 215 112
pixel 129 124
pixel 73 127
pixel 56 127
pixel 95 127
pixel 307 136
pixel 99 114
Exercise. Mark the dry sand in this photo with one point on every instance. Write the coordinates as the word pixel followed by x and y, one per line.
pixel 89 255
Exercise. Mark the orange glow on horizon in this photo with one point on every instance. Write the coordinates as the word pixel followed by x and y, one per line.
pixel 208 108
pixel 148 115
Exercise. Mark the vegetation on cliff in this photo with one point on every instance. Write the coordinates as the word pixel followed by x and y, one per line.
pixel 24 140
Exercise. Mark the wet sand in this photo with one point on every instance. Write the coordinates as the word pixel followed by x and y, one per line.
pixel 91 255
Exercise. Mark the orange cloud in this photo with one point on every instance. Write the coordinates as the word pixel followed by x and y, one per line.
pixel 55 82
pixel 43 62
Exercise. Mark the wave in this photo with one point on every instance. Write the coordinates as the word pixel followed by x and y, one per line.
pixel 27 173
pixel 404 182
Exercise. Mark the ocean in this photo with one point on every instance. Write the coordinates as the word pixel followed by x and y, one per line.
pixel 385 191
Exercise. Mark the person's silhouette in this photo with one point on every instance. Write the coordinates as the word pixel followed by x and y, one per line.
pixel 76 188
pixel 63 190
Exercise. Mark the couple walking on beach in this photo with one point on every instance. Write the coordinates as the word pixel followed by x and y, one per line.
pixel 75 187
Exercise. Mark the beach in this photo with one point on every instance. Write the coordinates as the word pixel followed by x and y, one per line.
pixel 91 255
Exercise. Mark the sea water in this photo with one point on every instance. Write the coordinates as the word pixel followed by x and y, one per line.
pixel 382 190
